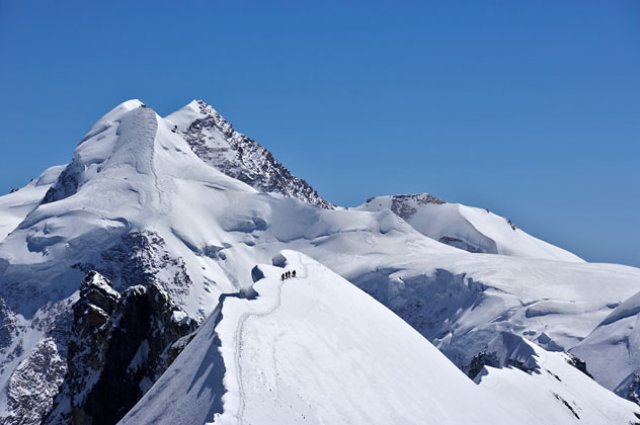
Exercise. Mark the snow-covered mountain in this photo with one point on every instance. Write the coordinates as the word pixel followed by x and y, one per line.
pixel 468 228
pixel 156 222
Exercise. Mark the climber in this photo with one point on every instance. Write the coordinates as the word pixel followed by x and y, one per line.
pixel 293 273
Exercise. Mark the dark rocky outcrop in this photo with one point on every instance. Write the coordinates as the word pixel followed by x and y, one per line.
pixel 480 360
pixel 405 205
pixel 120 344
pixel 34 384
pixel 579 364
pixel 67 184
pixel 505 350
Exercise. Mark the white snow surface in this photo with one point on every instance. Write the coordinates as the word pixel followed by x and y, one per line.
pixel 557 394
pixel 15 206
pixel 478 229
pixel 612 350
pixel 132 173
pixel 314 349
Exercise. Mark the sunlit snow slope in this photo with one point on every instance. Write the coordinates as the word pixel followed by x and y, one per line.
pixel 612 350
pixel 468 228
pixel 15 206
pixel 314 349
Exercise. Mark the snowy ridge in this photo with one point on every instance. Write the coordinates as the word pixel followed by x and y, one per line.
pixel 472 229
pixel 314 349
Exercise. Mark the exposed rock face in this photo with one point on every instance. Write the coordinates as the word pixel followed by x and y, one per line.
pixel 406 205
pixel 141 258
pixel 581 365
pixel 217 143
pixel 124 324
pixel 120 345
pixel 34 384
pixel 66 185
pixel 8 331
pixel 480 360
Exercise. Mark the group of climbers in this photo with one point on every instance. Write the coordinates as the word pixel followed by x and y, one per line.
pixel 287 275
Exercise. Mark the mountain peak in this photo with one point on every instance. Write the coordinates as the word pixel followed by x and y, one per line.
pixel 121 108
pixel 124 137
pixel 131 104
pixel 112 116
pixel 217 143
pixel 204 107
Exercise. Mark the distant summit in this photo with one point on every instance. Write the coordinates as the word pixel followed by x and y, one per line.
pixel 476 230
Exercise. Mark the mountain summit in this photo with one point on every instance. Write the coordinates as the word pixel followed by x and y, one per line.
pixel 218 144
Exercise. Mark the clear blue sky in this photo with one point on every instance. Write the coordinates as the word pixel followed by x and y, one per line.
pixel 529 108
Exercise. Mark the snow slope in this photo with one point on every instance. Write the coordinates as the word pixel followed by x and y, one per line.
pixel 314 349
pixel 15 206
pixel 556 393
pixel 612 350
pixel 468 228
